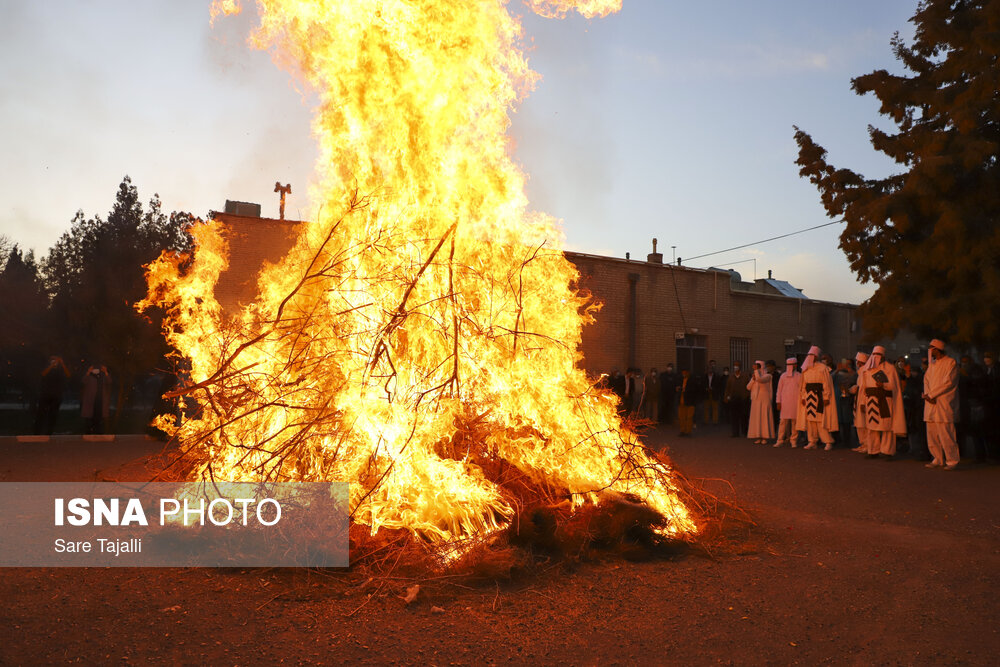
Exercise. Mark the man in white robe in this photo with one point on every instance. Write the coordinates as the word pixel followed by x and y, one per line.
pixel 860 359
pixel 817 415
pixel 788 403
pixel 941 406
pixel 761 416
pixel 881 396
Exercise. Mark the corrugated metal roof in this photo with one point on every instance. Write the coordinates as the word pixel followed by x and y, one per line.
pixel 785 288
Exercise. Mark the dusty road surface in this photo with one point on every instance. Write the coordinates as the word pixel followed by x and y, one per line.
pixel 851 561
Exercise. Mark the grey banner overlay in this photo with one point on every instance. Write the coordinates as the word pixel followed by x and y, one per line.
pixel 226 524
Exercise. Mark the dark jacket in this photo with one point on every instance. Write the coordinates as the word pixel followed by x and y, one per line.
pixel 717 389
pixel 692 394
pixel 736 387
pixel 96 392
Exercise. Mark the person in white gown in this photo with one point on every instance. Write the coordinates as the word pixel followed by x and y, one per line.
pixel 881 395
pixel 788 403
pixel 941 406
pixel 817 412
pixel 761 416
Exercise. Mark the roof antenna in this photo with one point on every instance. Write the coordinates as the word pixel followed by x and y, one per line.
pixel 284 190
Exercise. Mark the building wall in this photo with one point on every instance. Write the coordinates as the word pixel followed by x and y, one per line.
pixel 252 241
pixel 672 301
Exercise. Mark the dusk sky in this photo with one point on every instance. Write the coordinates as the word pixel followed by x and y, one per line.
pixel 669 119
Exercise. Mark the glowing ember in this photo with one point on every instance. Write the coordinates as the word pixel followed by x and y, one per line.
pixel 421 339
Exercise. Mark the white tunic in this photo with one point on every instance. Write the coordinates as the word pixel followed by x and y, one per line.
pixel 941 384
pixel 816 403
pixel 788 393
pixel 761 415
pixel 882 408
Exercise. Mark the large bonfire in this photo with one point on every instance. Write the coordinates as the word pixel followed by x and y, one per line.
pixel 420 341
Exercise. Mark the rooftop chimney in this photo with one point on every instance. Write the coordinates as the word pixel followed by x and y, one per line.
pixel 654 257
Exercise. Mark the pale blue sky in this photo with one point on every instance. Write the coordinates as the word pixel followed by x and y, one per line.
pixel 670 120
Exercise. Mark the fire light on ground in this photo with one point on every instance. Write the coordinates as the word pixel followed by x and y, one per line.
pixel 420 341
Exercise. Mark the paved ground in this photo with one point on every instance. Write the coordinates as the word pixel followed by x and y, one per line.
pixel 852 561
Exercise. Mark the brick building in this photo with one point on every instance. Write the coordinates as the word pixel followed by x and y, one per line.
pixel 653 313
pixel 252 241
pixel 657 313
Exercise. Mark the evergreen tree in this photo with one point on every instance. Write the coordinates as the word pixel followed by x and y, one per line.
pixel 94 274
pixel 23 335
pixel 928 236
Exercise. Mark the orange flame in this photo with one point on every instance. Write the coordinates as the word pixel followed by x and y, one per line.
pixel 424 329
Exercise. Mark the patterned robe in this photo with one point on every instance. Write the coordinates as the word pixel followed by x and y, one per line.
pixel 816 401
pixel 882 409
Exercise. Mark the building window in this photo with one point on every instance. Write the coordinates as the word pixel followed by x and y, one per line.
pixel 739 351
pixel 691 353
pixel 797 349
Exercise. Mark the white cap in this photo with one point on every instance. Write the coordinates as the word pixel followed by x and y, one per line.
pixel 877 356
pixel 810 359
pixel 936 344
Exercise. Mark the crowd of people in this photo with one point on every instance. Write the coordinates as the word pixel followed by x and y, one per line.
pixel 933 408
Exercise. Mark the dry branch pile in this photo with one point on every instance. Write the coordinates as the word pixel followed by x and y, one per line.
pixel 441 383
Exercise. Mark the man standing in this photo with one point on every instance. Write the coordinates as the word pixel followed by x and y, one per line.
pixel 817 415
pixel 971 415
pixel 913 406
pixel 737 398
pixel 633 391
pixel 881 397
pixel 651 397
pixel 844 378
pixel 95 399
pixel 991 401
pixel 940 407
pixel 616 383
pixel 788 403
pixel 860 360
pixel 715 388
pixel 668 401
pixel 54 379
pixel 761 427
pixel 687 399
pixel 772 369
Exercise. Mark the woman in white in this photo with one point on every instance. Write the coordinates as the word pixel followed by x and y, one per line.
pixel 761 416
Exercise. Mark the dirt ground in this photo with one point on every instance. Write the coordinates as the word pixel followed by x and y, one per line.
pixel 850 561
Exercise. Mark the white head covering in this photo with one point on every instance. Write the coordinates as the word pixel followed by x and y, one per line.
pixel 939 345
pixel 810 358
pixel 791 361
pixel 861 356
pixel 876 358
